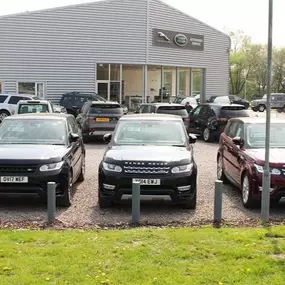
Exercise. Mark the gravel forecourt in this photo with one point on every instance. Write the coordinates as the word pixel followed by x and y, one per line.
pixel 85 210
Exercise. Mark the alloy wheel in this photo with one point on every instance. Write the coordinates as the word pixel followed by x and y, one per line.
pixel 206 134
pixel 245 190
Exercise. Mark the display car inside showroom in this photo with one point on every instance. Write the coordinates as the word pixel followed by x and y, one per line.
pixel 124 50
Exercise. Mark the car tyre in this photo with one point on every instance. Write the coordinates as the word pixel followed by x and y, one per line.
pixel 191 204
pixel 65 199
pixel 82 171
pixel 261 108
pixel 220 170
pixel 4 114
pixel 103 202
pixel 207 135
pixel 246 192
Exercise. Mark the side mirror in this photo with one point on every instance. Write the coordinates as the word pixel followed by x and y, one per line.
pixel 107 138
pixel 192 138
pixel 73 137
pixel 238 141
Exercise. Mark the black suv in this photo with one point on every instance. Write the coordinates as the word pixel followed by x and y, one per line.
pixel 39 148
pixel 210 119
pixel 98 118
pixel 165 108
pixel 143 149
pixel 73 101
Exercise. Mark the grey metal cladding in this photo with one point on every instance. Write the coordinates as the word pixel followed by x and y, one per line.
pixel 166 38
pixel 215 57
pixel 60 46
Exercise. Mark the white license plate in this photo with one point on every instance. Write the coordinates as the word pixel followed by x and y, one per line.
pixel 14 179
pixel 147 181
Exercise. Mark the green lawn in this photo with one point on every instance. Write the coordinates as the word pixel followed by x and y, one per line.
pixel 143 256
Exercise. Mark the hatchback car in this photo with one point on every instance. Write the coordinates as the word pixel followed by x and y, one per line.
pixel 39 148
pixel 141 149
pixel 165 108
pixel 241 158
pixel 73 101
pixel 98 118
pixel 210 119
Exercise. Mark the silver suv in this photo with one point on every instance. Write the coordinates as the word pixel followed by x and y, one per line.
pixel 277 103
pixel 8 103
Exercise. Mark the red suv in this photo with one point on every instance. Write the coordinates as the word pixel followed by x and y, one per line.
pixel 241 158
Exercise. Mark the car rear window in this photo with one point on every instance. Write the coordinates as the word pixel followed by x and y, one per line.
pixel 173 110
pixel 33 108
pixel 106 109
pixel 233 112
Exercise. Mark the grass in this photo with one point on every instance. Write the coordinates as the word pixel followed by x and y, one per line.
pixel 143 256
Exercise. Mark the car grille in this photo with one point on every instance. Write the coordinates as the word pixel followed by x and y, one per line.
pixel 18 168
pixel 157 168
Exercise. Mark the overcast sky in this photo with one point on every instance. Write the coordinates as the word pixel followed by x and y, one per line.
pixel 251 16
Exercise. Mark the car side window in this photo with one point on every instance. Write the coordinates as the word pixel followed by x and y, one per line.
pixel 72 126
pixel 3 98
pixel 14 100
pixel 197 111
pixel 273 98
pixel 152 109
pixel 279 98
pixel 239 130
pixel 231 129
pixel 204 111
pixel 66 100
pixel 145 109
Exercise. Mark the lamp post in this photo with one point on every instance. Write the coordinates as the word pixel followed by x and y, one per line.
pixel 265 201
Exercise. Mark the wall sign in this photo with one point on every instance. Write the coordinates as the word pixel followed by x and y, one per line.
pixel 164 38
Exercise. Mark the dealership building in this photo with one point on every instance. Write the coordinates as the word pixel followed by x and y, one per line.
pixel 131 50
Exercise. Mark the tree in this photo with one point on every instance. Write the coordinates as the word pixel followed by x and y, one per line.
pixel 278 70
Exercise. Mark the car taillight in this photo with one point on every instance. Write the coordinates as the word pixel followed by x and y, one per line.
pixel 91 119
pixel 187 120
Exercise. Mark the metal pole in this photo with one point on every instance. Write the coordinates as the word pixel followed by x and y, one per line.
pixel 136 202
pixel 161 85
pixel 265 202
pixel 218 201
pixel 51 202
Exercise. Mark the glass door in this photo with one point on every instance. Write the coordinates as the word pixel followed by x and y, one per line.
pixel 103 89
pixel 40 90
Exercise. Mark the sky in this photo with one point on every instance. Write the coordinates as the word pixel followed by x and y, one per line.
pixel 250 16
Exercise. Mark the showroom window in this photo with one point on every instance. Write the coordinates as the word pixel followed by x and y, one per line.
pixel 1 87
pixel 31 88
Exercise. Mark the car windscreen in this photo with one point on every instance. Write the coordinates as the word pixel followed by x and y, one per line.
pixel 33 108
pixel 33 131
pixel 96 109
pixel 233 112
pixel 173 110
pixel 255 135
pixel 222 99
pixel 98 98
pixel 150 133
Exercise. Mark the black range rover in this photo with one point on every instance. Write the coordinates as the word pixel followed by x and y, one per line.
pixel 39 148
pixel 141 147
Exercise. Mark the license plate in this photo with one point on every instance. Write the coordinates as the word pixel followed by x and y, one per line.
pixel 102 120
pixel 147 181
pixel 14 179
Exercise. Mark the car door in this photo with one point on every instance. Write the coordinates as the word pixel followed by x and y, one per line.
pixel 76 147
pixel 227 146
pixel 193 120
pixel 274 104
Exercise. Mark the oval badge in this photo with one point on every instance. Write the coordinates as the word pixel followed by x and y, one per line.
pixel 180 40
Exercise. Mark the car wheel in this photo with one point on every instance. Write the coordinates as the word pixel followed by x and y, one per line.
pixel 103 202
pixel 220 170
pixel 191 204
pixel 207 135
pixel 283 109
pixel 65 200
pixel 247 199
pixel 261 108
pixel 4 114
pixel 82 171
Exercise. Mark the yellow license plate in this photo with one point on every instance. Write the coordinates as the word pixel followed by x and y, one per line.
pixel 102 120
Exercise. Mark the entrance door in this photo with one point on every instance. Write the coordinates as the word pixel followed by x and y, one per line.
pixel 103 89
pixel 40 90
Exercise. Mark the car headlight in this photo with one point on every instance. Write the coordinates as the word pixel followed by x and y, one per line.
pixel 112 167
pixel 273 171
pixel 259 168
pixel 52 166
pixel 182 168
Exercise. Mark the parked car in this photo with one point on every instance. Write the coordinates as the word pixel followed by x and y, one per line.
pixel 39 148
pixel 59 109
pixel 277 102
pixel 33 106
pixel 153 149
pixel 8 103
pixel 73 101
pixel 241 158
pixel 231 99
pixel 165 108
pixel 191 100
pixel 209 119
pixel 98 118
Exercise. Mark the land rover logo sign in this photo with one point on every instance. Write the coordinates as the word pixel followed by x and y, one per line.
pixel 180 40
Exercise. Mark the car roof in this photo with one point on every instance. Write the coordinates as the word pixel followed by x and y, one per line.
pixel 256 120
pixel 220 104
pixel 157 117
pixel 167 104
pixel 80 93
pixel 104 103
pixel 35 100
pixel 48 116
pixel 17 95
